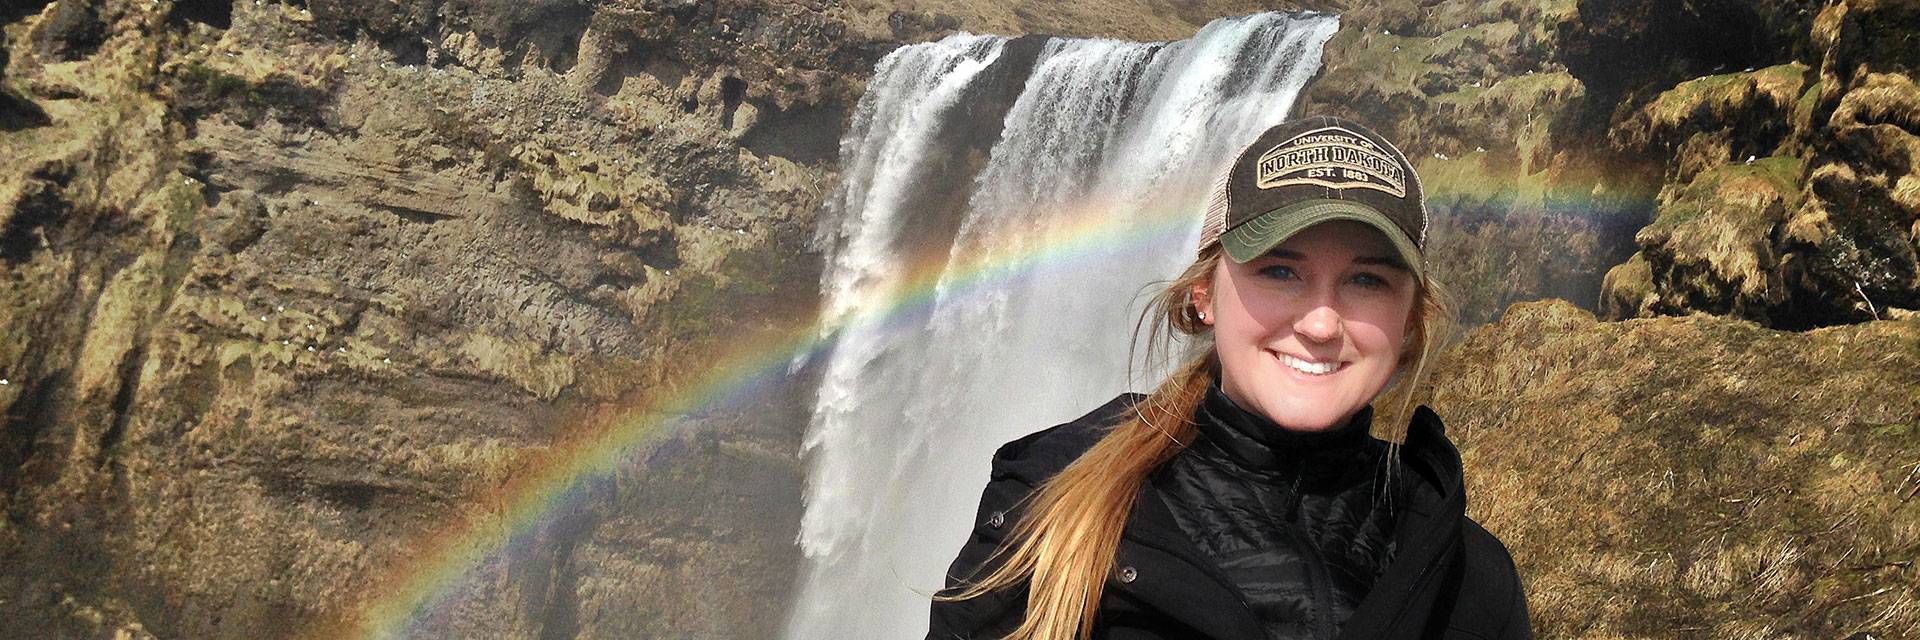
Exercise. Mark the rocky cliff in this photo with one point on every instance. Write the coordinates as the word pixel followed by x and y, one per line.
pixel 287 285
pixel 1750 159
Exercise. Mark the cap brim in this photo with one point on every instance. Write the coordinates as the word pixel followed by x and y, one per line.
pixel 1262 234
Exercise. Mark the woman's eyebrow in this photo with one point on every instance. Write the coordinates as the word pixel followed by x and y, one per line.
pixel 1383 261
pixel 1391 262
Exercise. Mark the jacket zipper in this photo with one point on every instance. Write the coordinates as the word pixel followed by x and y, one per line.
pixel 1316 564
pixel 1317 570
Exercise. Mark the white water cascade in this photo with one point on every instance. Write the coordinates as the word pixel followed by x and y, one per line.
pixel 1004 206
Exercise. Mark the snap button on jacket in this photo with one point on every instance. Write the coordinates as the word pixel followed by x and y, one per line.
pixel 1447 577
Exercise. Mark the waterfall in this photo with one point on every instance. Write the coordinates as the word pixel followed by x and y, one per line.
pixel 1004 207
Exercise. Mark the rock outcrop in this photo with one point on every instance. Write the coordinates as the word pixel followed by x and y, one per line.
pixel 1788 196
pixel 281 301
pixel 1553 132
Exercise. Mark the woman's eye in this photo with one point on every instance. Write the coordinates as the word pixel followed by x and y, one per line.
pixel 1277 272
pixel 1370 281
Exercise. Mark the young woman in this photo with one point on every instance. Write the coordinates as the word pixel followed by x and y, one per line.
pixel 1251 495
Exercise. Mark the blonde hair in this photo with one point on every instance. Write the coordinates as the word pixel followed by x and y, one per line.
pixel 1064 548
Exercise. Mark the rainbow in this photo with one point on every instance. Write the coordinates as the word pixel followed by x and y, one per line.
pixel 414 587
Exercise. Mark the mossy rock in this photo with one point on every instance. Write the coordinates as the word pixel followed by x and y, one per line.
pixel 1853 242
pixel 1627 290
pixel 1713 247
pixel 1758 105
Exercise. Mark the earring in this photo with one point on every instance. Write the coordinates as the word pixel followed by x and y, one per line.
pixel 1202 314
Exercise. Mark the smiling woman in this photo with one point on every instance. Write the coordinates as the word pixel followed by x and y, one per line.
pixel 1309 333
pixel 1252 494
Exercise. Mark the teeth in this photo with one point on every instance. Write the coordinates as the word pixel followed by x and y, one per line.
pixel 1309 368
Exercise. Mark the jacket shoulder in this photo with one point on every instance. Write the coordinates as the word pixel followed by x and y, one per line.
pixel 1034 458
pixel 1018 467
pixel 1500 600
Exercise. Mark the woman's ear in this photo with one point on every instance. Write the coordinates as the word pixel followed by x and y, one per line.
pixel 1203 301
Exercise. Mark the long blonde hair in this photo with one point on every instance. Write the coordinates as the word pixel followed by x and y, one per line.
pixel 1063 549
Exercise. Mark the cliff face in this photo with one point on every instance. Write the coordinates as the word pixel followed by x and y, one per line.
pixel 279 299
pixel 287 286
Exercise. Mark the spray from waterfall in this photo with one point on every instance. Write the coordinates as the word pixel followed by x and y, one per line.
pixel 1118 136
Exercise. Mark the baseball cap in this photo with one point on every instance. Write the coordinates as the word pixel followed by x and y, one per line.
pixel 1303 172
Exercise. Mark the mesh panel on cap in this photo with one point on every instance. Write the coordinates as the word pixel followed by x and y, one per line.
pixel 1215 222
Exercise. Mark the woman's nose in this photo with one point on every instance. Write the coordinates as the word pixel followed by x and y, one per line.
pixel 1319 324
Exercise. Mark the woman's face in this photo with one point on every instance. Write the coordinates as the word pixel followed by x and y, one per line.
pixel 1309 333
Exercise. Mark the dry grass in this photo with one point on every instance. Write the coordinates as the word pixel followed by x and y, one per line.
pixel 1696 477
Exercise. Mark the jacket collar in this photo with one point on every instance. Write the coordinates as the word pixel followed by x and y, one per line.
pixel 1252 443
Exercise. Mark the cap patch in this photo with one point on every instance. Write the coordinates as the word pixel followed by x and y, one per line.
pixel 1332 157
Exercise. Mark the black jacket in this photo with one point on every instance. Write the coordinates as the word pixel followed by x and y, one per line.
pixel 1449 578
pixel 1300 522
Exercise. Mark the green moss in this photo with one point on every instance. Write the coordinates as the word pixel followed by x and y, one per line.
pixel 1531 88
pixel 1792 73
pixel 1730 191
pixel 1491 33
pixel 1783 172
pixel 213 82
pixel 760 287
pixel 1803 108
pixel 1781 82
pixel 1680 101
pixel 1390 62
pixel 1678 214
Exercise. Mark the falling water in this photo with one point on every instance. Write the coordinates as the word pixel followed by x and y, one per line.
pixel 1082 139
